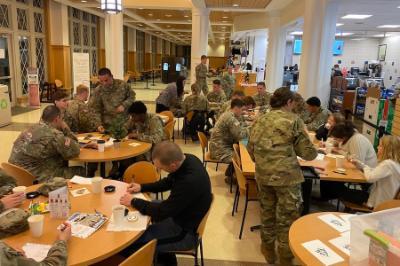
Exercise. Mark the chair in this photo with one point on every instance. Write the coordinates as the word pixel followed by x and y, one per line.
pixel 169 130
pixel 248 188
pixel 143 257
pixel 169 114
pixel 390 204
pixel 200 232
pixel 141 172
pixel 22 176
pixel 206 154
pixel 58 83
pixel 186 120
pixel 236 154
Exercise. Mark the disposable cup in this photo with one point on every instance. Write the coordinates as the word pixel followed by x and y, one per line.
pixel 340 160
pixel 96 184
pixel 118 214
pixel 36 225
pixel 100 145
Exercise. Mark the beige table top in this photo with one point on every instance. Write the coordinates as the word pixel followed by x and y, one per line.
pixel 308 228
pixel 101 244
pixel 326 166
pixel 111 154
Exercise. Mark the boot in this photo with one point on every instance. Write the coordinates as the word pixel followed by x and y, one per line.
pixel 285 261
pixel 269 253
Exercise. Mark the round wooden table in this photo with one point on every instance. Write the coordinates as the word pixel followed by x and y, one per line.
pixel 99 245
pixel 308 228
pixel 128 149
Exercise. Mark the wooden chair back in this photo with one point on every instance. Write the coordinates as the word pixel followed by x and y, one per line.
pixel 58 83
pixel 189 116
pixel 169 114
pixel 236 155
pixel 203 141
pixel 241 179
pixel 141 172
pixel 169 129
pixel 21 176
pixel 202 225
pixel 143 257
pixel 389 204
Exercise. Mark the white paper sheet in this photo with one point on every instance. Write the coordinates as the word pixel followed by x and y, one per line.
pixel 139 225
pixel 109 143
pixel 335 222
pixel 38 252
pixel 320 157
pixel 342 243
pixel 322 252
pixel 76 179
pixel 346 217
pixel 79 192
pixel 134 144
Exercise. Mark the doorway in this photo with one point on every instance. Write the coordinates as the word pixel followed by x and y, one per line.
pixel 6 72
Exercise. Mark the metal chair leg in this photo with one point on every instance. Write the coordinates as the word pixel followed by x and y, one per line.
pixel 201 253
pixel 216 168
pixel 244 215
pixel 235 199
pixel 196 260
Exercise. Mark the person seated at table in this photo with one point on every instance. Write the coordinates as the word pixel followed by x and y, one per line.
pixel 249 104
pixel 217 97
pixel 227 105
pixel 61 100
pixel 7 183
pixel 323 131
pixel 174 220
pixel 197 103
pixel 229 129
pixel 317 116
pixel 45 148
pixel 385 177
pixel 262 97
pixel 9 201
pixel 57 255
pixel 299 106
pixel 81 118
pixel 170 99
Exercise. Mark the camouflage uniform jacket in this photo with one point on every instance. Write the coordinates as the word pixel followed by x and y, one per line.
pixel 216 100
pixel 228 84
pixel 317 119
pixel 227 131
pixel 262 100
pixel 41 150
pixel 276 139
pixel 195 103
pixel 57 256
pixel 104 101
pixel 7 183
pixel 169 96
pixel 151 130
pixel 81 118
pixel 201 73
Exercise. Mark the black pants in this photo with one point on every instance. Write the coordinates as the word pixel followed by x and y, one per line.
pixel 161 108
pixel 355 196
pixel 197 123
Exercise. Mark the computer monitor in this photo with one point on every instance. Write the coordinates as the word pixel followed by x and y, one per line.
pixel 165 67
pixel 178 67
pixel 354 71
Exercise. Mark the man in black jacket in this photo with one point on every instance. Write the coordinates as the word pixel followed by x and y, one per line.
pixel 175 220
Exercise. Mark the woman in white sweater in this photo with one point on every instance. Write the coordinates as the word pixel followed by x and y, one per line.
pixel 385 177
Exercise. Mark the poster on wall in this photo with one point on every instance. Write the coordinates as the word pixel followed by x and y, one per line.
pixel 382 52
pixel 80 69
pixel 33 87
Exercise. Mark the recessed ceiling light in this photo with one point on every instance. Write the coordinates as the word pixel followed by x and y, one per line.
pixel 150 15
pixel 225 17
pixel 186 16
pixel 339 24
pixel 344 34
pixel 168 15
pixel 235 5
pixel 168 26
pixel 83 1
pixel 296 33
pixel 398 7
pixel 356 16
pixel 224 21
pixel 141 8
pixel 389 26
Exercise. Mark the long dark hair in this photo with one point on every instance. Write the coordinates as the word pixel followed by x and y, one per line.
pixel 280 97
pixel 343 131
pixel 179 85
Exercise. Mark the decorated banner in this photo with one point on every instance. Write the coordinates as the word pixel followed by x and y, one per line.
pixel 33 87
pixel 81 69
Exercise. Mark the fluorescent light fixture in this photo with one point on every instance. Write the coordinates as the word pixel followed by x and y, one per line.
pixel 381 35
pixel 356 16
pixel 339 24
pixel 389 26
pixel 358 39
pixel 344 34
pixel 296 33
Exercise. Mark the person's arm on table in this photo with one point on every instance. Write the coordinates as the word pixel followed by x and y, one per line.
pixel 68 148
pixel 130 97
pixel 303 146
pixel 159 186
pixel 156 132
pixel 374 174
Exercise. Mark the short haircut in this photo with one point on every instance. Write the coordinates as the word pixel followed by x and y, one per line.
pixel 194 87
pixel 59 95
pixel 217 82
pixel 82 89
pixel 314 101
pixel 343 131
pixel 261 83
pixel 167 153
pixel 203 57
pixel 237 93
pixel 280 97
pixel 248 100
pixel 104 71
pixel 137 108
pixel 237 103
pixel 50 113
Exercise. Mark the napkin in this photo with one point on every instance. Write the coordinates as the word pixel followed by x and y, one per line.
pixel 38 252
pixel 139 225
pixel 76 179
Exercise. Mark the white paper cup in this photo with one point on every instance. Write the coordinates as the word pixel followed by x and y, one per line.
pixel 96 184
pixel 19 189
pixel 101 145
pixel 118 214
pixel 312 136
pixel 328 147
pixel 340 160
pixel 36 225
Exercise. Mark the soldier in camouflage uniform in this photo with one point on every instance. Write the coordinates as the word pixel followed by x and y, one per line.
pixel 228 82
pixel 7 183
pixel 262 97
pixel 228 130
pixel 45 148
pixel 276 139
pixel 199 105
pixel 80 117
pixel 201 75
pixel 61 100
pixel 317 116
pixel 111 98
pixel 217 97
pixel 57 255
pixel 227 105
pixel 299 106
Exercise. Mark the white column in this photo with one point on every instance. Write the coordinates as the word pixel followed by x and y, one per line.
pixel 316 59
pixel 275 52
pixel 114 44
pixel 200 24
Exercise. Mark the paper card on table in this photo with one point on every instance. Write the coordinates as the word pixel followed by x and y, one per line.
pixel 335 222
pixel 134 144
pixel 38 252
pixel 342 243
pixel 346 234
pixel 322 252
pixel 79 192
pixel 320 157
pixel 76 179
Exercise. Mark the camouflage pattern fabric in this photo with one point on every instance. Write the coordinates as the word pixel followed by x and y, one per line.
pixel 13 221
pixel 81 118
pixel 7 183
pixel 42 150
pixel 227 131
pixel 195 103
pixel 300 110
pixel 57 256
pixel 228 84
pixel 262 100
pixel 225 107
pixel 55 183
pixel 169 96
pixel 105 100
pixel 216 100
pixel 201 78
pixel 151 130
pixel 317 119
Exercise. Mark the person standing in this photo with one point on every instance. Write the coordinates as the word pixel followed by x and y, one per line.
pixel 276 139
pixel 201 75
pixel 171 97
pixel 228 82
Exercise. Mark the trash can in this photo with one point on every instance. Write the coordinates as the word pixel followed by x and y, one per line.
pixel 5 106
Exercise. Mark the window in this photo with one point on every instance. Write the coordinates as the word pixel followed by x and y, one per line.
pixel 22 19
pixel 38 3
pixel 24 61
pixel 140 50
pixel 38 21
pixel 4 17
pixel 40 59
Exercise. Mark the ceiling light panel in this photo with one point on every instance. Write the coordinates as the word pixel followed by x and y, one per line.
pixel 356 16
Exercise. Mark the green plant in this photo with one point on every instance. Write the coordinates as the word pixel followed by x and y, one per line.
pixel 117 128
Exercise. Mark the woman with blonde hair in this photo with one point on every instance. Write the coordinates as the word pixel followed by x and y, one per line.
pixel 385 176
